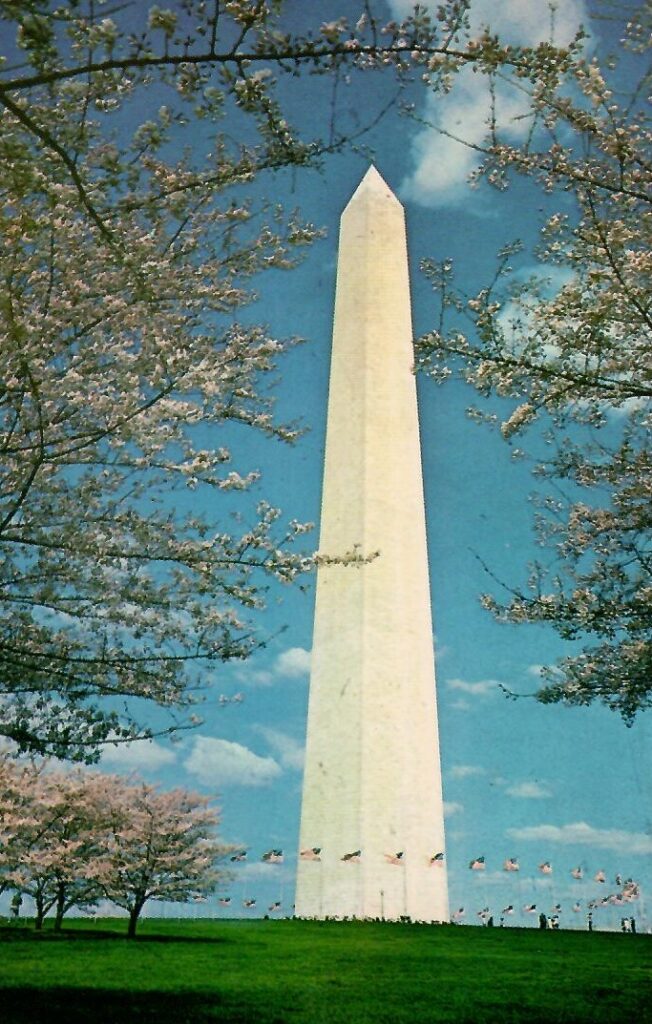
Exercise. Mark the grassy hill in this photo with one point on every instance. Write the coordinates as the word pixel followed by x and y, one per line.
pixel 273 972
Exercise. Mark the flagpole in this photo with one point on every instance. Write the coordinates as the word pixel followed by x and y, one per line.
pixel 405 867
pixel 485 902
pixel 321 887
pixel 519 889
pixel 360 896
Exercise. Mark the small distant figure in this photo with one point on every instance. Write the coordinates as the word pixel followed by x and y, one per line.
pixel 502 922
pixel 543 922
pixel 554 923
pixel 490 922
pixel 16 904
pixel 632 925
pixel 624 924
pixel 589 921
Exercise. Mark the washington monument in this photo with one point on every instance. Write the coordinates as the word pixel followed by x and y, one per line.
pixel 372 826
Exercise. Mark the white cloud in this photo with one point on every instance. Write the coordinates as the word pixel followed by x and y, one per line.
pixel 529 790
pixel 289 664
pixel 441 649
pixel 255 676
pixel 293 663
pixel 518 318
pixel 143 755
pixel 495 878
pixel 290 752
pixel 452 807
pixel 464 771
pixel 524 22
pixel 442 153
pixel 441 162
pixel 263 872
pixel 218 763
pixel 581 834
pixel 626 408
pixel 499 780
pixel 479 689
pixel 460 705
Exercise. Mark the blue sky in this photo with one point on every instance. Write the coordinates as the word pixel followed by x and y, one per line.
pixel 521 780
pixel 569 786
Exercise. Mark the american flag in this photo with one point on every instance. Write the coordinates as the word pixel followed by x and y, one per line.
pixel 275 906
pixel 224 901
pixel 577 907
pixel 484 912
pixel 458 914
pixel 437 860
pixel 577 873
pixel 631 890
pixel 477 864
pixel 508 910
pixel 311 854
pixel 557 908
pixel 240 855
pixel 273 857
pixel 223 700
pixel 394 858
pixel 248 903
pixel 511 864
pixel 529 908
pixel 353 858
pixel 599 876
pixel 545 868
pixel 619 879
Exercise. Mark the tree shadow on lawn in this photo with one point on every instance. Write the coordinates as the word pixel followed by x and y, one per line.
pixel 108 1006
pixel 88 935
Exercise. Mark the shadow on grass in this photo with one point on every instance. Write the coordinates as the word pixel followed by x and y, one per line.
pixel 88 935
pixel 108 1006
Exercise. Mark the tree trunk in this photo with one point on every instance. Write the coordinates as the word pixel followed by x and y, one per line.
pixel 134 914
pixel 40 912
pixel 61 907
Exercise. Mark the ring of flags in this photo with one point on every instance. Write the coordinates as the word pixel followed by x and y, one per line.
pixel 629 889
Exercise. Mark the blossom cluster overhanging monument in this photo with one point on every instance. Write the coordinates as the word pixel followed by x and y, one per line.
pixel 372 827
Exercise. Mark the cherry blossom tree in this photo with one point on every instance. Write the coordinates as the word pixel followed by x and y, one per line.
pixel 161 846
pixel 18 815
pixel 130 138
pixel 53 845
pixel 69 838
pixel 569 352
pixel 134 142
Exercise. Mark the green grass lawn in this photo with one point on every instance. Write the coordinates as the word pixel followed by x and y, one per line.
pixel 272 972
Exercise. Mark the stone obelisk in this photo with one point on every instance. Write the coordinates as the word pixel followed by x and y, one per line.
pixel 372 827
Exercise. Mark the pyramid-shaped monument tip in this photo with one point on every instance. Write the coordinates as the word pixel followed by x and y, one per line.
pixel 373 185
